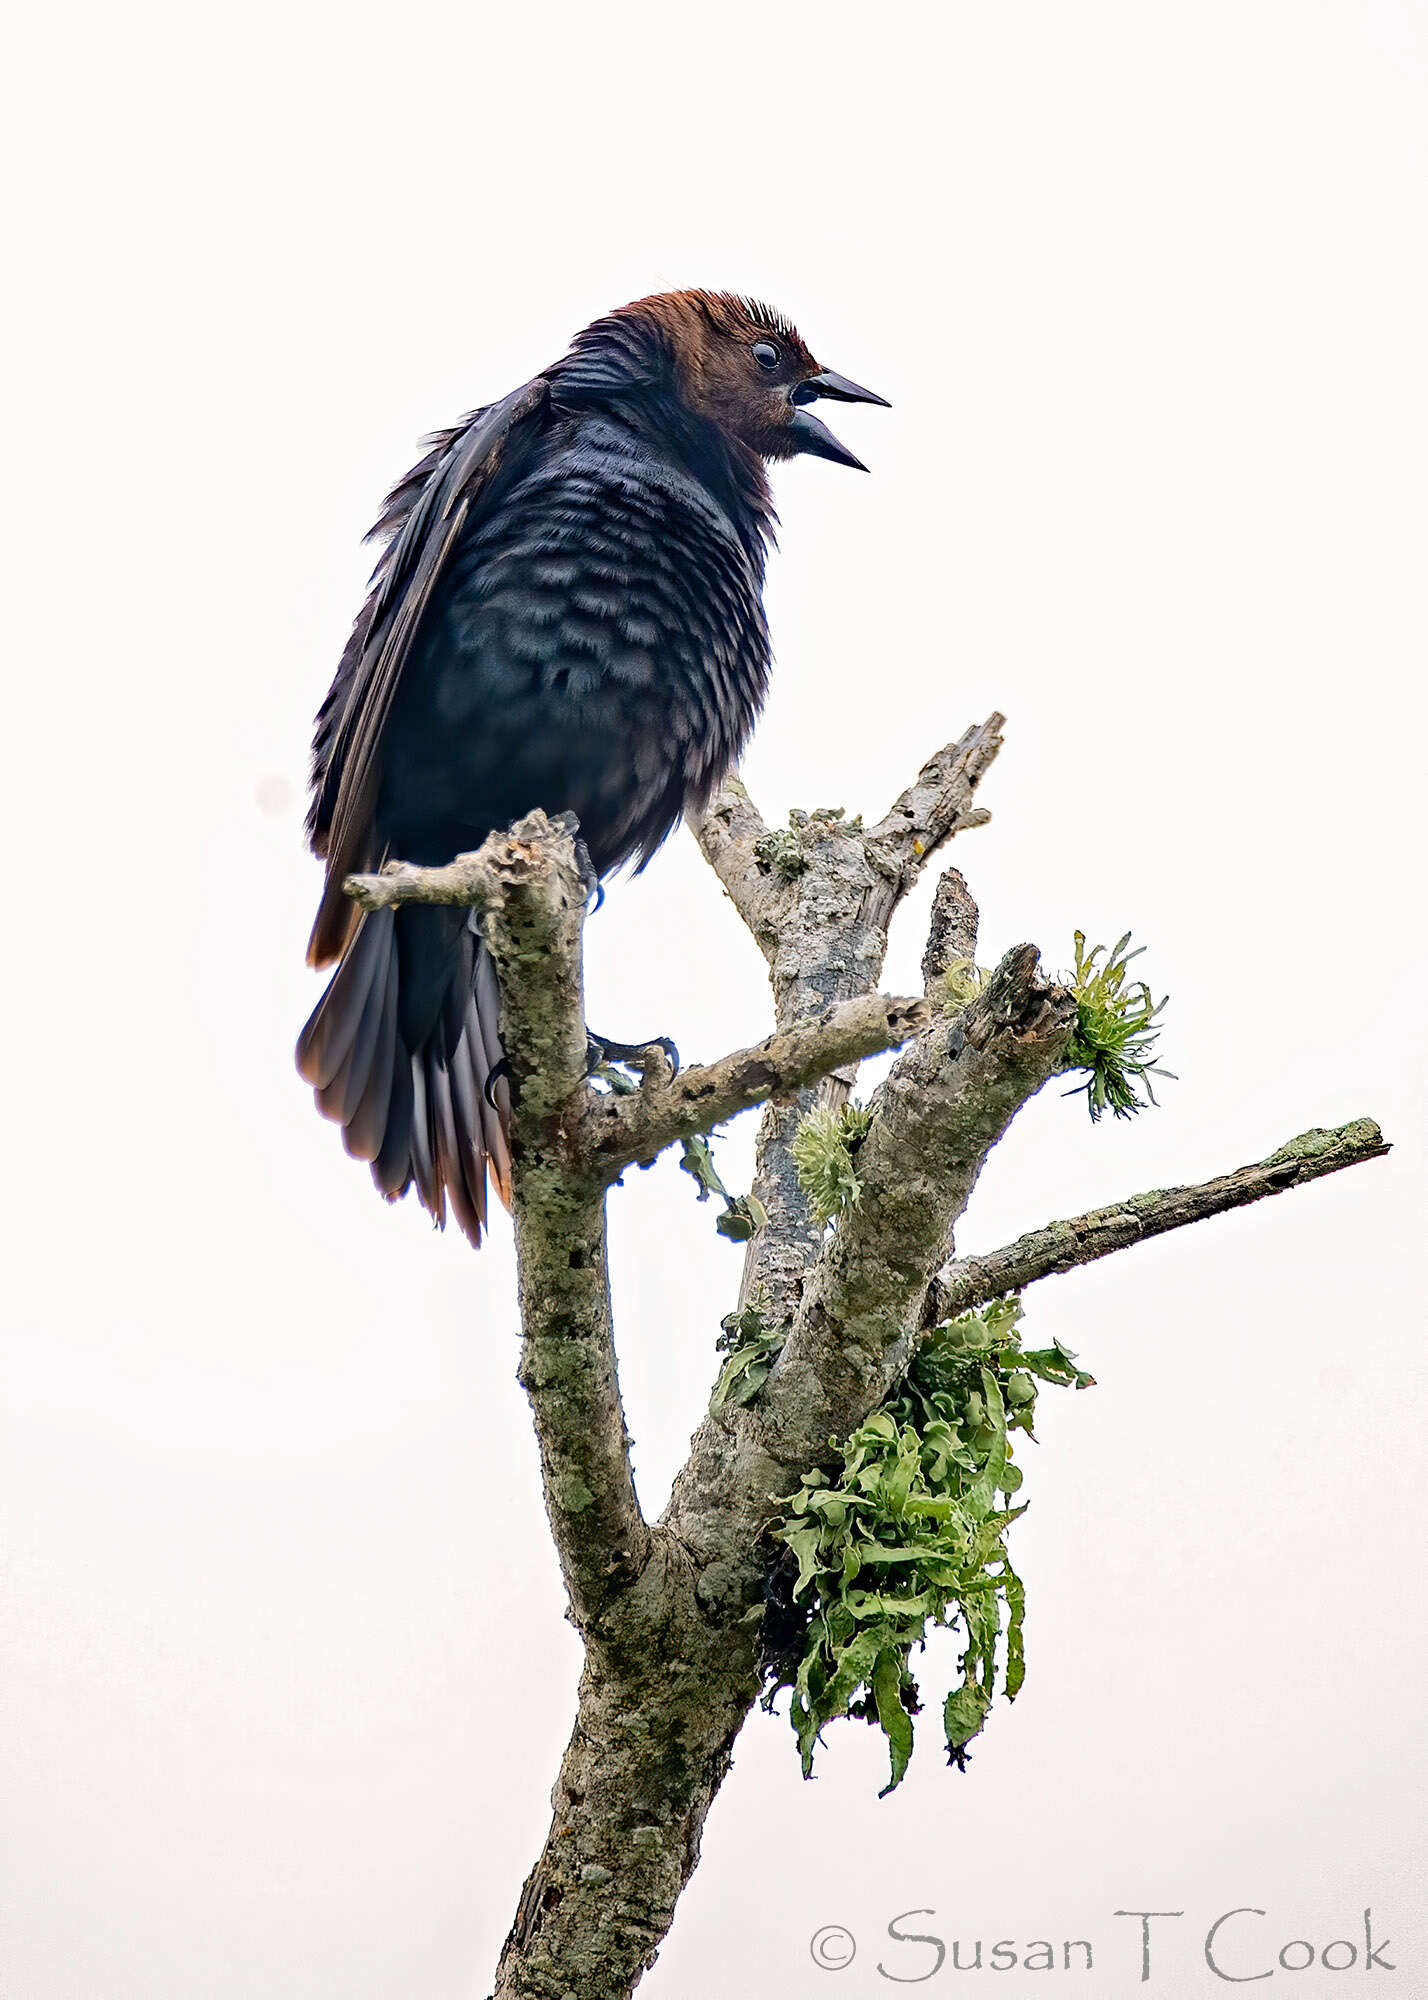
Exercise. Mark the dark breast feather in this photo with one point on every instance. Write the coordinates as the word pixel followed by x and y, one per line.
pixel 568 612
pixel 597 645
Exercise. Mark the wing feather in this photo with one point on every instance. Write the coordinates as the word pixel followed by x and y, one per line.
pixel 349 744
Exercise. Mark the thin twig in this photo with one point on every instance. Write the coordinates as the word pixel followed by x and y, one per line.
pixel 1061 1246
pixel 465 879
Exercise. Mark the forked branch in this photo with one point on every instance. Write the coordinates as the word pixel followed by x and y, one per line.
pixel 670 1611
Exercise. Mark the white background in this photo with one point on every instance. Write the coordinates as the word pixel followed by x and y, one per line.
pixel 286 1675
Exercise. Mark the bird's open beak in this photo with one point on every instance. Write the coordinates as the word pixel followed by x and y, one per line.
pixel 813 436
pixel 839 388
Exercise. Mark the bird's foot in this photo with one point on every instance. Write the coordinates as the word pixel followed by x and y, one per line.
pixel 600 1050
pixel 600 1053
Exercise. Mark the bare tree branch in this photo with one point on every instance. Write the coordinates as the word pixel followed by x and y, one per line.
pixel 677 1666
pixel 665 1689
pixel 532 895
pixel 853 1316
pixel 673 1665
pixel 616 1131
pixel 670 1613
pixel 621 1130
pixel 1061 1246
pixel 762 870
pixel 936 805
pixel 466 878
pixel 952 934
pixel 732 834
pixel 947 1102
pixel 818 899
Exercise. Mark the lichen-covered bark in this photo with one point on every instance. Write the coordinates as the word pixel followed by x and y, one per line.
pixel 666 1690
pixel 804 902
pixel 533 903
pixel 663 1694
pixel 946 1103
pixel 669 1612
pixel 1081 1239
pixel 952 933
pixel 818 900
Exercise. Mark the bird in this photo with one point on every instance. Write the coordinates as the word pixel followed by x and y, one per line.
pixel 566 613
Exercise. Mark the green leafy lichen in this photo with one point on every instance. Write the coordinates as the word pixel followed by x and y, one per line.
pixel 909 1533
pixel 752 1350
pixel 742 1219
pixel 743 1215
pixel 1113 1039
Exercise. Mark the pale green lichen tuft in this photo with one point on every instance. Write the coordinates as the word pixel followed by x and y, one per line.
pixel 1322 1139
pixel 571 1493
pixel 823 1149
pixel 960 984
pixel 783 851
pixel 780 852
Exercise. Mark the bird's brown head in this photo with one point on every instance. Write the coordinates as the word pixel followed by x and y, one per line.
pixel 727 360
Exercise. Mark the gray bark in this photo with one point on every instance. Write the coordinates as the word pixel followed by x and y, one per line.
pixel 966 1282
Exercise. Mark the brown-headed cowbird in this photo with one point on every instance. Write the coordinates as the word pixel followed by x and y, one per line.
pixel 567 613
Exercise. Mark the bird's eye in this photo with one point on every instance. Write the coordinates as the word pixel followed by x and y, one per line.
pixel 766 354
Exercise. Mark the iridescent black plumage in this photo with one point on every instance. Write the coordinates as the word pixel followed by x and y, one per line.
pixel 567 614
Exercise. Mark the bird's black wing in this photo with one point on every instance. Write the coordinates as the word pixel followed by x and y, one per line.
pixel 425 515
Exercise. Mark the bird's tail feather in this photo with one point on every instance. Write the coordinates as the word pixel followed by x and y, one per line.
pixel 407 1083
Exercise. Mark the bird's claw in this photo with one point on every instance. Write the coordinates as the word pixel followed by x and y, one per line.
pixel 589 875
pixel 499 1072
pixel 600 1050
